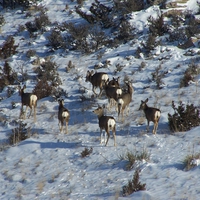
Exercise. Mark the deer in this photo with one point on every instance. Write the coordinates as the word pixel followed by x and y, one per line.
pixel 106 123
pixel 98 80
pixel 151 114
pixel 113 92
pixel 63 116
pixel 28 100
pixel 114 82
pixel 124 100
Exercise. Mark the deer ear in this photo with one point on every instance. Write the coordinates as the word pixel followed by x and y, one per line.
pixel 146 100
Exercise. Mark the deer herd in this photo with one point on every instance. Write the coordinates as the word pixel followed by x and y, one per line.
pixel 117 97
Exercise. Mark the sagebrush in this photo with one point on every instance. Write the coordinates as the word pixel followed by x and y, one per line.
pixel 184 118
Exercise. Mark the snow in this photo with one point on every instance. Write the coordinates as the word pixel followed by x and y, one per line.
pixel 49 165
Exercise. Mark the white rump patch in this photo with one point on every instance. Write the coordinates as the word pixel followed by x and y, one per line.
pixel 157 114
pixel 119 91
pixel 33 98
pixel 105 77
pixel 65 114
pixel 111 123
pixel 120 101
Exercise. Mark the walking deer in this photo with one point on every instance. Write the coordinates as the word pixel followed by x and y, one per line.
pixel 106 123
pixel 28 100
pixel 124 100
pixel 113 93
pixel 63 116
pixel 98 80
pixel 152 114
pixel 114 82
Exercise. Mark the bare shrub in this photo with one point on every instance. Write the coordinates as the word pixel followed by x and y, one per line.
pixel 14 4
pixel 19 133
pixel 77 38
pixel 119 67
pixel 191 161
pixel 133 185
pixel 2 20
pixel 125 31
pixel 86 152
pixel 43 89
pixel 10 91
pixel 38 24
pixel 192 26
pixel 31 53
pixel 156 2
pixel 9 48
pixel 150 44
pixel 157 76
pixel 157 26
pixel 176 19
pixel 88 17
pixel 132 157
pixel 129 6
pixel 48 71
pixel 70 66
pixel 177 34
pixel 7 76
pixel 142 66
pixel 48 79
pixel 80 2
pixel 185 117
pixel 189 75
pixel 23 73
pixel 98 38
pixel 42 21
pixel 100 14
pixel 56 40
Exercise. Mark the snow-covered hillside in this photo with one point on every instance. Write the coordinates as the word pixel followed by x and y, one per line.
pixel 48 165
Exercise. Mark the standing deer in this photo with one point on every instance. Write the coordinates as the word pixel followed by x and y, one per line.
pixel 152 114
pixel 63 116
pixel 113 92
pixel 28 100
pixel 106 123
pixel 98 80
pixel 114 82
pixel 124 100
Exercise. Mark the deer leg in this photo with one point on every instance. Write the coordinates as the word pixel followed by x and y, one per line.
pixel 155 127
pixel 147 126
pixel 101 90
pixel 21 112
pixel 127 110
pixel 34 114
pixel 114 136
pixel 25 112
pixel 116 106
pixel 122 115
pixel 61 126
pixel 108 136
pixel 109 104
pixel 100 136
pixel 30 111
pixel 66 128
pixel 93 89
